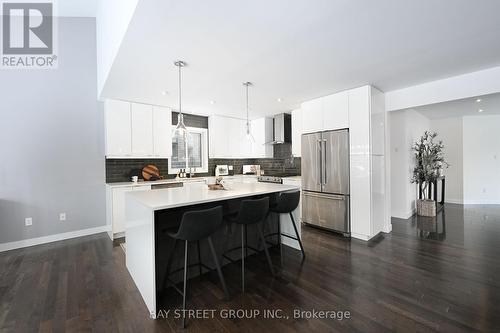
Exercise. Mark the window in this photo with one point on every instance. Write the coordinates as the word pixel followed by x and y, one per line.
pixel 192 155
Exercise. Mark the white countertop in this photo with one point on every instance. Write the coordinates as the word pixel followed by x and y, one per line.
pixel 199 193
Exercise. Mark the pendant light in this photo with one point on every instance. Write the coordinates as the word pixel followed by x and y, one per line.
pixel 180 130
pixel 248 128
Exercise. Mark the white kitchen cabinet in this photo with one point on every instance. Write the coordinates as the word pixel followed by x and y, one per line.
pixel 296 132
pixel 336 111
pixel 162 131
pixel 115 207
pixel 136 130
pixel 118 129
pixel 142 130
pixel 218 128
pixel 369 196
pixel 326 113
pixel 227 138
pixel 262 131
pixel 312 116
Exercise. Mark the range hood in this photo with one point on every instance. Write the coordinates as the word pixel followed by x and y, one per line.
pixel 282 129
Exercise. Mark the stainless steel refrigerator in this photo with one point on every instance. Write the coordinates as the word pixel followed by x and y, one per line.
pixel 325 180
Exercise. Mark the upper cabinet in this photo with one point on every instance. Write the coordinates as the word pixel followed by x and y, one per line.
pixel 162 131
pixel 262 132
pixel 296 132
pixel 312 116
pixel 136 130
pixel 118 129
pixel 336 111
pixel 142 130
pixel 228 139
pixel 326 113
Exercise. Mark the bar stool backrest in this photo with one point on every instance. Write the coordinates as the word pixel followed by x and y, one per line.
pixel 199 224
pixel 287 202
pixel 253 211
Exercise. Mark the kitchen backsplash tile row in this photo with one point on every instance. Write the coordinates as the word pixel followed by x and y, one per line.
pixel 118 170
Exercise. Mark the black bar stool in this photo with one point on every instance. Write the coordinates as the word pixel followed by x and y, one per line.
pixel 251 212
pixel 286 203
pixel 196 226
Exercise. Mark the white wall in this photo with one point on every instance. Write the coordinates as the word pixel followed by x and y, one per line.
pixel 481 151
pixel 113 18
pixel 52 151
pixel 406 127
pixel 450 132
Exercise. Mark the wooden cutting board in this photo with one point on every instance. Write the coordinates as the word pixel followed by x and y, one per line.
pixel 150 172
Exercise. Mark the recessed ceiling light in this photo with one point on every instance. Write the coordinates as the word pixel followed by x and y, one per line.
pixel 480 110
pixel 164 92
pixel 212 102
pixel 478 100
pixel 280 100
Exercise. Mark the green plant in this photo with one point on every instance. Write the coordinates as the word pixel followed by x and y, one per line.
pixel 428 160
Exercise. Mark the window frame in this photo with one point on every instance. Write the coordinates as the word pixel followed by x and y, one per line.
pixel 204 151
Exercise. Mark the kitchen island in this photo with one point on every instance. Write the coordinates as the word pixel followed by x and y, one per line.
pixel 149 213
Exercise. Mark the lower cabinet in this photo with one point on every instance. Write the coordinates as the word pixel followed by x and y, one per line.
pixel 115 208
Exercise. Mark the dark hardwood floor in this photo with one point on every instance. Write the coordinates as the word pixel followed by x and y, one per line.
pixel 418 278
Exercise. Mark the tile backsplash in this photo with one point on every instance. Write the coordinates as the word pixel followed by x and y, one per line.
pixel 118 170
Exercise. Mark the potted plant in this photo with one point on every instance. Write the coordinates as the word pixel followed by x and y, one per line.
pixel 429 162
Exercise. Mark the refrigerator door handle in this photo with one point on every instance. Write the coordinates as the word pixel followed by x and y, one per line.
pixel 324 162
pixel 319 152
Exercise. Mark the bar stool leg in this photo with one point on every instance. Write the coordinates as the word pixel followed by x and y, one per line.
pixel 199 257
pixel 243 245
pixel 298 237
pixel 219 271
pixel 185 284
pixel 279 239
pixel 265 249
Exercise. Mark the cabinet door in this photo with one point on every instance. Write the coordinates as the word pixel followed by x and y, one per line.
pixel 336 111
pixel 236 137
pixel 312 116
pixel 118 128
pixel 142 130
pixel 296 132
pixel 162 131
pixel 262 131
pixel 118 210
pixel 218 136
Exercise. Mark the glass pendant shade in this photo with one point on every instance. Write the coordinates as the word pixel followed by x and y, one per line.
pixel 180 130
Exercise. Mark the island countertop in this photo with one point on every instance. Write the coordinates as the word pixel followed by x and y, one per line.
pixel 199 193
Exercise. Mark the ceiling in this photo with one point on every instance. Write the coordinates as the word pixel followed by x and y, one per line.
pixel 490 104
pixel 296 50
pixel 77 8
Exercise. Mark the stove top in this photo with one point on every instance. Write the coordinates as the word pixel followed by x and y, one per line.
pixel 270 179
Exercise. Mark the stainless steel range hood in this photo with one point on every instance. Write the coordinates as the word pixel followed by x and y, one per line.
pixel 282 129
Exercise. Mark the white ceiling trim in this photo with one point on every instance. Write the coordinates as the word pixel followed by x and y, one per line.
pixel 469 85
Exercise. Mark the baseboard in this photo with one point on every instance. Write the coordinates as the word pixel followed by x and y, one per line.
pixel 454 201
pixel 403 216
pixel 51 238
pixel 481 202
pixel 360 236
